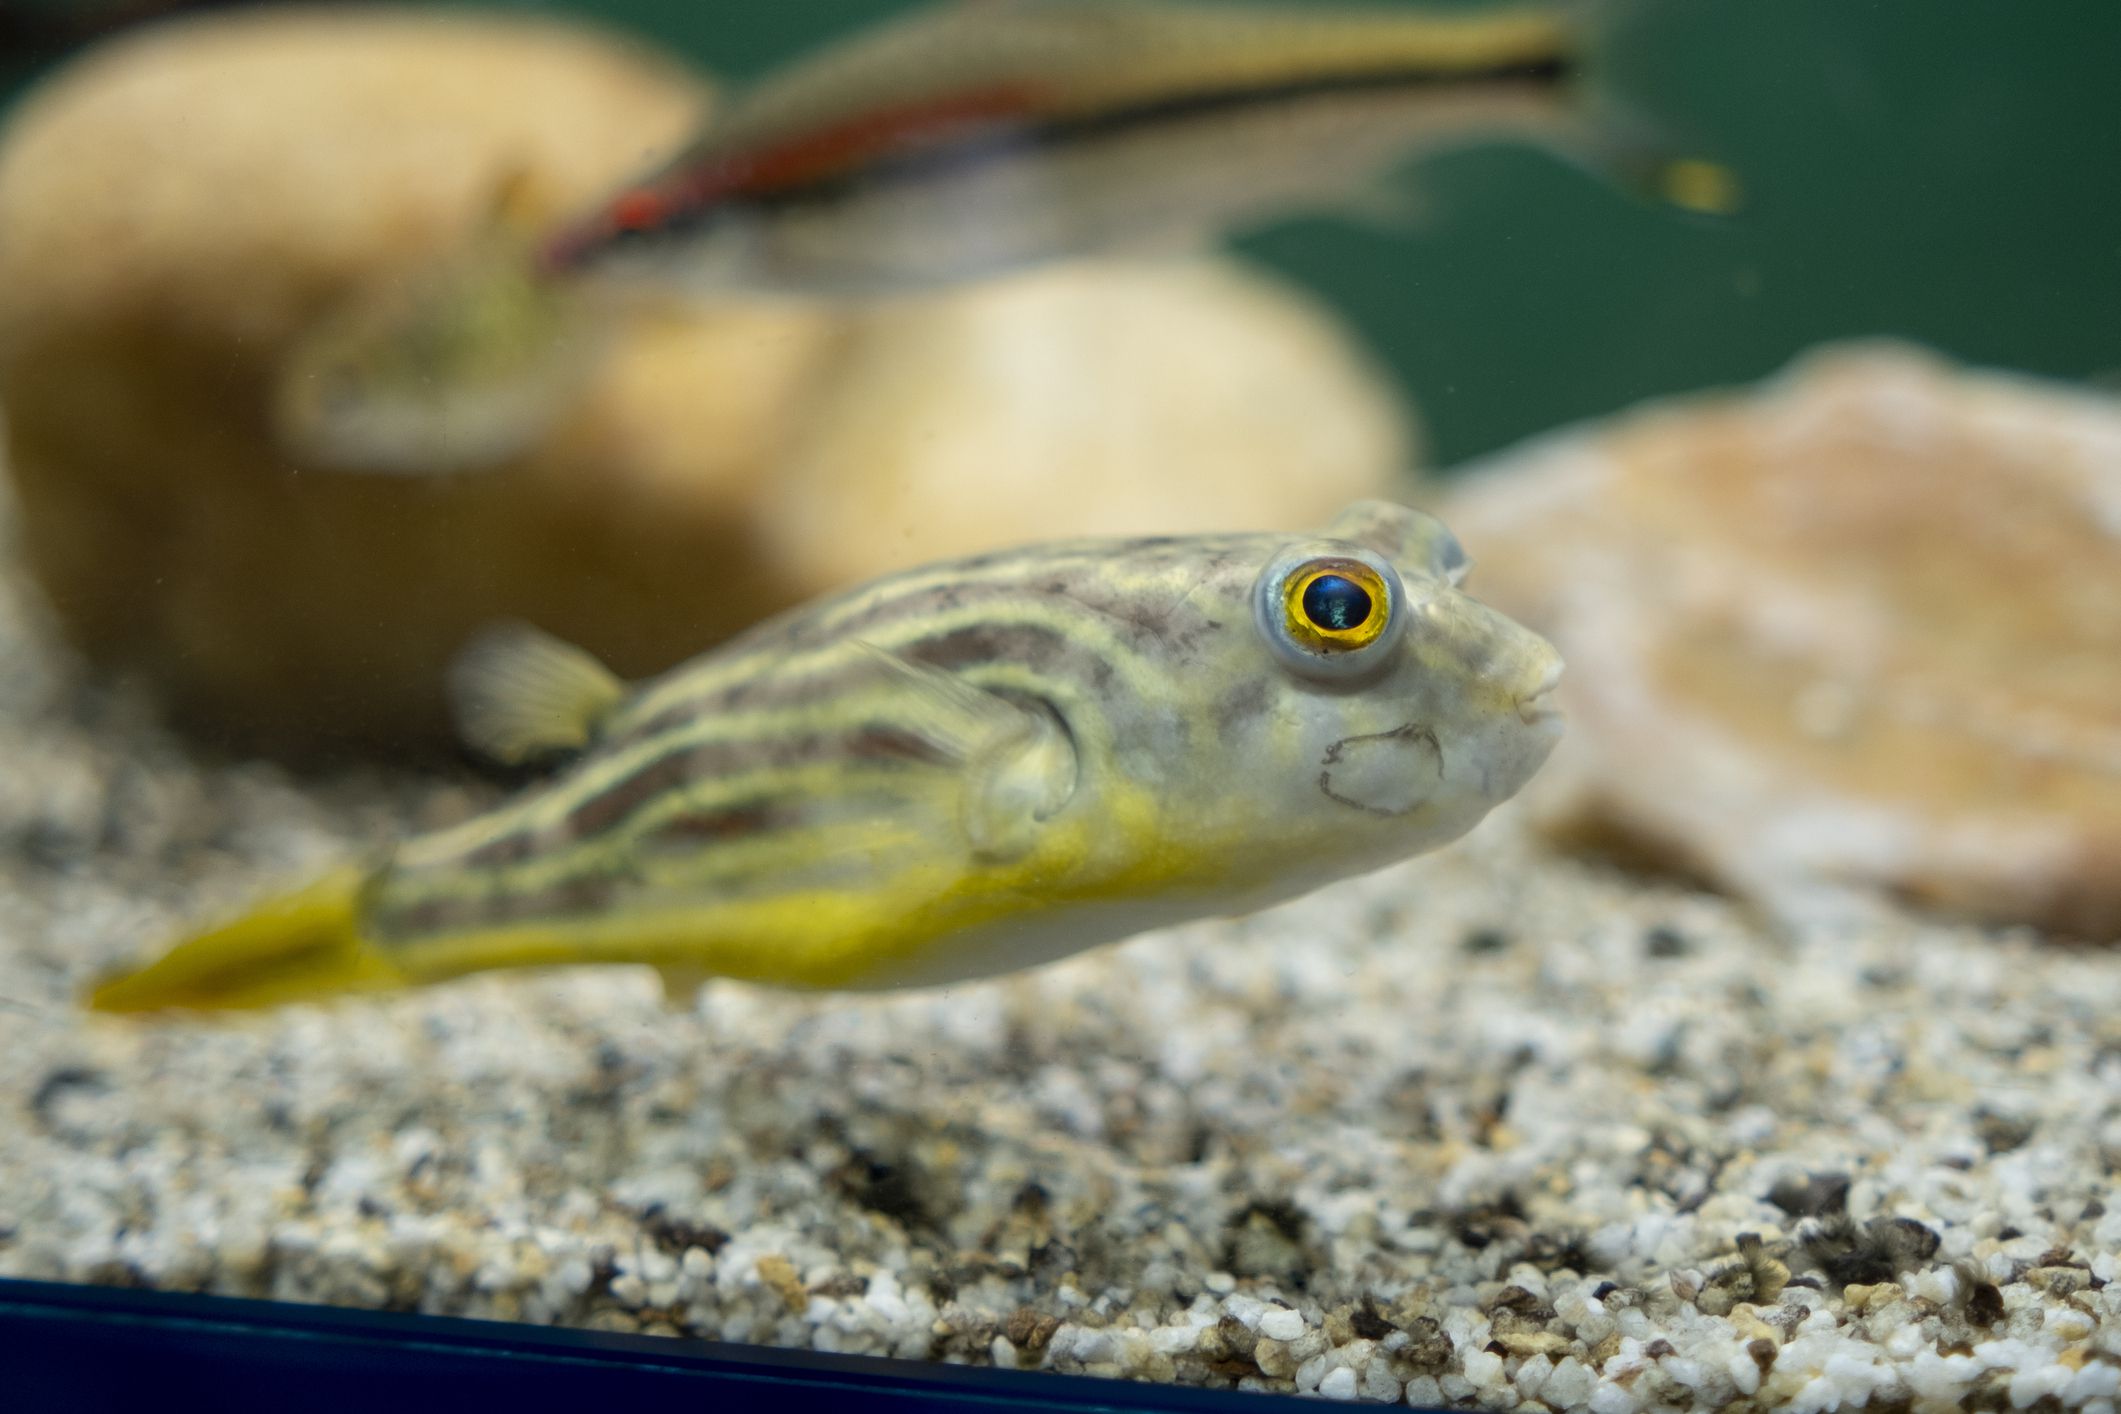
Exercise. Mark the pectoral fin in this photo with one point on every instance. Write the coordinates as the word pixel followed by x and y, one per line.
pixel 1017 762
pixel 1016 787
pixel 519 694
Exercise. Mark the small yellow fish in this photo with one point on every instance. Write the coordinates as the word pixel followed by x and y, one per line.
pixel 457 365
pixel 952 773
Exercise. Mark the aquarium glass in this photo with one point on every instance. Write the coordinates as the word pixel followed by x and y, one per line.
pixel 729 976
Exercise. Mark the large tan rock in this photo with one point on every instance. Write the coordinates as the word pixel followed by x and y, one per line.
pixel 1855 634
pixel 1096 398
pixel 178 208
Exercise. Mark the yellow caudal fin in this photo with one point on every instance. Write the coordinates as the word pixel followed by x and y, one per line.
pixel 299 947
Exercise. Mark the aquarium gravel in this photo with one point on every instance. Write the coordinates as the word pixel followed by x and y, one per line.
pixel 1495 1129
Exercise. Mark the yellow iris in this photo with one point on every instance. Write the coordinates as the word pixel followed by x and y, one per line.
pixel 1335 606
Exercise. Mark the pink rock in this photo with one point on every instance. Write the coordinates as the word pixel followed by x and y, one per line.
pixel 1856 634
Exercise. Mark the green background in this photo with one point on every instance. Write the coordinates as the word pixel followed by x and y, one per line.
pixel 1942 170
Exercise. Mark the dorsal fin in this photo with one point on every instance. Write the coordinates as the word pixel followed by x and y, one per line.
pixel 519 694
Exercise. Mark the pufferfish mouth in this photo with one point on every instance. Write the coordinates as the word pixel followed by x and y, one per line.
pixel 1536 708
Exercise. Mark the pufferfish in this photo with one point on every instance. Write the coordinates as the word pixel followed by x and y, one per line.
pixel 954 772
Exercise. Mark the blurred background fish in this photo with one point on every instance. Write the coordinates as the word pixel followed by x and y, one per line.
pixel 966 140
pixel 971 139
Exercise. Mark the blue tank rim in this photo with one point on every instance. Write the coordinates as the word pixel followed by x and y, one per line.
pixel 85 1348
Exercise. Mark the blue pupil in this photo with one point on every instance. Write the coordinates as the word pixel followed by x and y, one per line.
pixel 1334 603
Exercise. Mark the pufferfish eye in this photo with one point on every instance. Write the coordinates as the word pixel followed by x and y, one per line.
pixel 1330 616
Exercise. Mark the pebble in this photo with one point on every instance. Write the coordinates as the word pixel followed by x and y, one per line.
pixel 1283 1325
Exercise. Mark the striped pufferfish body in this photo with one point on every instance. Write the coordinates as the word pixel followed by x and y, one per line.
pixel 952 773
pixel 967 139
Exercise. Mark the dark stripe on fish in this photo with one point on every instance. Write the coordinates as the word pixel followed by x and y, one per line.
pixel 576 894
pixel 660 775
pixel 1039 647
pixel 764 690
pixel 757 816
pixel 711 761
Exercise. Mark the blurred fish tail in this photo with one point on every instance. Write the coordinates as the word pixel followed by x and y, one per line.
pixel 299 947
pixel 1642 158
pixel 1648 157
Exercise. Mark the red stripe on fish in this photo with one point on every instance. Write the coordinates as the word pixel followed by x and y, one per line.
pixel 672 196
